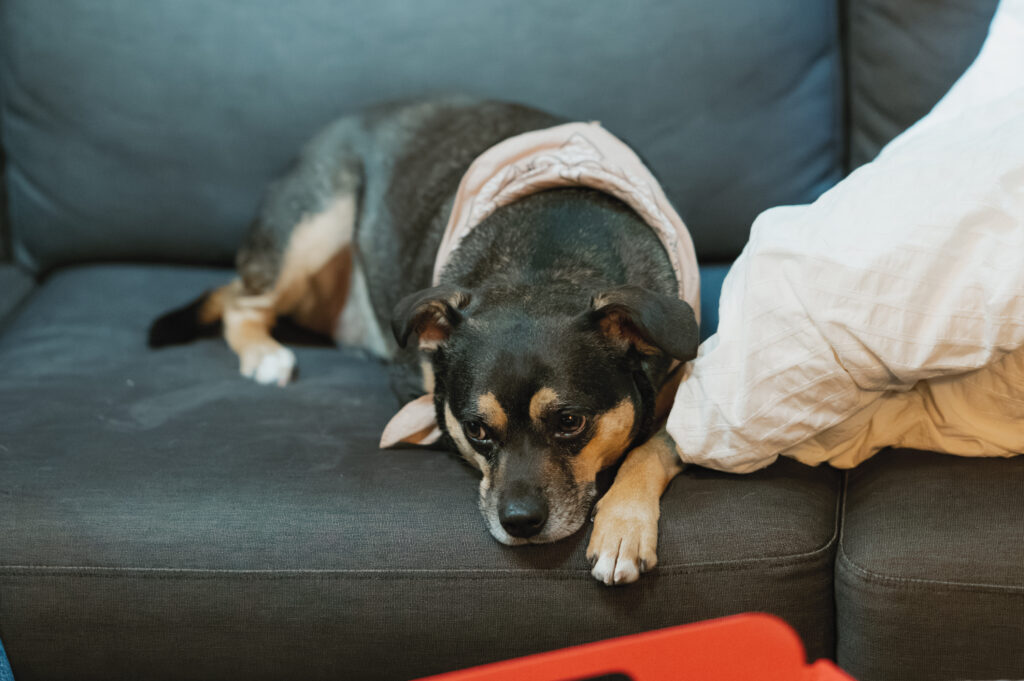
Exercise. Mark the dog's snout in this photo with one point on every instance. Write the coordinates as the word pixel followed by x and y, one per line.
pixel 523 514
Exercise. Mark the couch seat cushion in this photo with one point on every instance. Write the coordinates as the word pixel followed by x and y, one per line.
pixel 161 517
pixel 930 571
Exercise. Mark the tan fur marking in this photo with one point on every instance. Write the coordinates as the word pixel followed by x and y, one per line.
pixel 433 327
pixel 462 443
pixel 667 395
pixel 492 412
pixel 316 270
pixel 312 286
pixel 212 308
pixel 541 401
pixel 246 322
pixel 624 541
pixel 428 375
pixel 647 470
pixel 617 326
pixel 316 302
pixel 433 333
pixel 614 430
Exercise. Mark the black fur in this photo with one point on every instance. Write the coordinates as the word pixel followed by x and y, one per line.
pixel 438 307
pixel 530 275
pixel 665 322
pixel 515 311
pixel 182 325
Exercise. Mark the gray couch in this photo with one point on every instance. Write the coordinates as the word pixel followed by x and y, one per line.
pixel 161 518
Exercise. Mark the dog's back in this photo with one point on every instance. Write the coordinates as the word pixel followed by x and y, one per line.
pixel 354 227
pixel 413 157
pixel 348 230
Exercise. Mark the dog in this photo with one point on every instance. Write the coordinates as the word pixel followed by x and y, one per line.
pixel 545 350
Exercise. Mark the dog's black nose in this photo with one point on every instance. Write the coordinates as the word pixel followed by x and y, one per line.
pixel 523 515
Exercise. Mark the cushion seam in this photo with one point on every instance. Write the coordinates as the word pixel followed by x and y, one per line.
pixel 921 583
pixel 926 584
pixel 32 570
pixel 404 573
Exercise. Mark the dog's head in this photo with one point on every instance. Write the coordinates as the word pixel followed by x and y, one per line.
pixel 540 389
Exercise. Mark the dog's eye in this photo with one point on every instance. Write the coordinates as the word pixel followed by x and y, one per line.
pixel 476 431
pixel 570 425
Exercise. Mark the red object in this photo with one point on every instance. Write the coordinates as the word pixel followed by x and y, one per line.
pixel 752 647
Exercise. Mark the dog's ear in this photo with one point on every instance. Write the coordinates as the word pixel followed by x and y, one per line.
pixel 432 314
pixel 650 322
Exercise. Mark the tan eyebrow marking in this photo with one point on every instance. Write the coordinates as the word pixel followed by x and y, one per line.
pixel 492 411
pixel 541 401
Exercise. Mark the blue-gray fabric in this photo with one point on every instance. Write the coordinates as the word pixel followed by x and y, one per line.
pixel 154 501
pixel 15 287
pixel 147 130
pixel 930 568
pixel 5 232
pixel 711 279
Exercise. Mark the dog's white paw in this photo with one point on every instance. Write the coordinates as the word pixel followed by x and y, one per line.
pixel 268 364
pixel 624 542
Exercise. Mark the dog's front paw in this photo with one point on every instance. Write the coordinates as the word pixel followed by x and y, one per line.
pixel 268 364
pixel 624 542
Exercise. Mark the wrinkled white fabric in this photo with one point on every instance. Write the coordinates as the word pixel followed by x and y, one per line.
pixel 891 310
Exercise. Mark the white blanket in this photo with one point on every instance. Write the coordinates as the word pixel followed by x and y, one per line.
pixel 891 310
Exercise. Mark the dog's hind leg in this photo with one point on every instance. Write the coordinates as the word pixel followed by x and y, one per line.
pixel 248 320
pixel 296 261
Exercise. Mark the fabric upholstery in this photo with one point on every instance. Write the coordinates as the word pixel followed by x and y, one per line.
pixel 15 286
pixel 901 58
pixel 148 130
pixel 5 235
pixel 161 517
pixel 930 571
pixel 711 278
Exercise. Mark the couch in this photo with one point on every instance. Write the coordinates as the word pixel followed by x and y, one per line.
pixel 162 518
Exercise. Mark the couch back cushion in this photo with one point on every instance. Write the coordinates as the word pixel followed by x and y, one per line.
pixel 903 57
pixel 147 130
